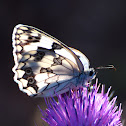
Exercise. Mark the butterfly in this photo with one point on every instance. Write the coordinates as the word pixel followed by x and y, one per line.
pixel 44 66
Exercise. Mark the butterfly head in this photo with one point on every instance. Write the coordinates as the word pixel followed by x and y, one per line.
pixel 89 75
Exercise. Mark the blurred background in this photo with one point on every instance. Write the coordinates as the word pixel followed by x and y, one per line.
pixel 96 28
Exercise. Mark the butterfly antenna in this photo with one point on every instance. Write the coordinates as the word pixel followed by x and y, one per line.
pixel 106 67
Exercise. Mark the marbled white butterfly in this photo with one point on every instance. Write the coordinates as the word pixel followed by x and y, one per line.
pixel 44 66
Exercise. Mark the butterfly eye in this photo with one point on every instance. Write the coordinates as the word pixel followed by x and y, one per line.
pixel 91 73
pixel 28 71
pixel 31 80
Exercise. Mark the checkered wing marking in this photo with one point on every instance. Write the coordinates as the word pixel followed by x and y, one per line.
pixel 40 69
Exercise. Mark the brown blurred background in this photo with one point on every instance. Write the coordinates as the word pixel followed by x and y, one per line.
pixel 96 28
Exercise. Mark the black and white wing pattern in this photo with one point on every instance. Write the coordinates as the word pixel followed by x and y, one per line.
pixel 84 60
pixel 44 66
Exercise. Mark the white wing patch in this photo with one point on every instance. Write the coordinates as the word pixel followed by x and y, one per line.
pixel 43 65
pixel 82 58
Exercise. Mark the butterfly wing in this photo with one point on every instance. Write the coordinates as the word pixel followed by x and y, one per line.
pixel 33 36
pixel 43 65
pixel 84 60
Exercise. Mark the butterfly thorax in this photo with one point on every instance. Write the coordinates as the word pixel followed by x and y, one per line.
pixel 86 77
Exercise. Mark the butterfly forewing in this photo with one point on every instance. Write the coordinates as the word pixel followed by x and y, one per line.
pixel 43 65
pixel 33 37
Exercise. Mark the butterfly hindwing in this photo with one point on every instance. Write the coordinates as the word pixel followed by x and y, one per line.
pixel 82 58
pixel 43 65
pixel 39 74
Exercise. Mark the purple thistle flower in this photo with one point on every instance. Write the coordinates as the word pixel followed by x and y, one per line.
pixel 83 108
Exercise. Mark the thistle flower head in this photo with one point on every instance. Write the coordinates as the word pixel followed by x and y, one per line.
pixel 83 108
